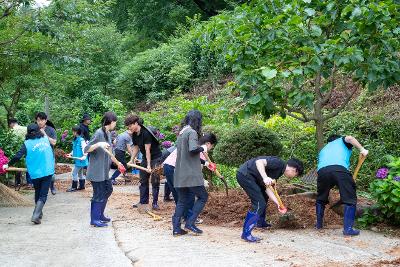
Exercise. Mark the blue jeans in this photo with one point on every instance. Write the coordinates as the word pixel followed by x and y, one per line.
pixel 101 190
pixel 28 178
pixel 41 186
pixel 77 172
pixel 185 195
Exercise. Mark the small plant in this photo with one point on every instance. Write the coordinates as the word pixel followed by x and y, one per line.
pixel 386 191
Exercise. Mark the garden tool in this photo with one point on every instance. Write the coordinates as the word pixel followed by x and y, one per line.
pixel 143 208
pixel 121 167
pixel 12 169
pixel 213 168
pixel 361 159
pixel 137 167
pixel 282 209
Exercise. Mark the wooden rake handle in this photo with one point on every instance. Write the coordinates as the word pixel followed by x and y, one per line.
pixel 137 167
pixel 361 159
pixel 15 169
pixel 218 174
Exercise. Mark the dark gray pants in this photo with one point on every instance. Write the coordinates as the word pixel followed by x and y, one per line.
pixel 256 192
pixel 101 190
pixel 144 180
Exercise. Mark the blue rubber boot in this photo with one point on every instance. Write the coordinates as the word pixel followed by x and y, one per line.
pixel 102 217
pixel 262 223
pixel 348 220
pixel 95 210
pixel 319 210
pixel 249 224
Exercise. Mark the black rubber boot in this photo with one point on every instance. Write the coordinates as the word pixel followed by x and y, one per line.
pixel 319 210
pixel 52 188
pixel 73 187
pixel 37 212
pixel 155 191
pixel 81 184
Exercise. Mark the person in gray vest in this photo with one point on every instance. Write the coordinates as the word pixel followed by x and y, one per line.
pixel 334 170
pixel 188 175
pixel 99 168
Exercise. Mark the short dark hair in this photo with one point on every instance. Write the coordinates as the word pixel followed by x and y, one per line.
pixel 131 119
pixel 41 115
pixel 208 137
pixel 333 137
pixel 12 120
pixel 297 164
pixel 33 132
pixel 77 129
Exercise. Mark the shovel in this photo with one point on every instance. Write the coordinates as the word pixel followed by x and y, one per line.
pixel 361 159
pixel 218 174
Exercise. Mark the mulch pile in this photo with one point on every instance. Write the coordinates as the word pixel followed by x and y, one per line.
pixel 231 211
pixel 63 169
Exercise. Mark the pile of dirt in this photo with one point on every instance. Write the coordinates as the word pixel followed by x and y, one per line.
pixel 60 169
pixel 11 198
pixel 231 211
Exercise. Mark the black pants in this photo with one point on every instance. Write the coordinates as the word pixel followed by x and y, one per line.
pixel 339 176
pixel 101 190
pixel 185 196
pixel 169 175
pixel 120 156
pixel 144 180
pixel 41 186
pixel 254 191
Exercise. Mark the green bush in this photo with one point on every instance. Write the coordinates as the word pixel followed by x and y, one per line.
pixel 247 141
pixel 10 143
pixel 386 192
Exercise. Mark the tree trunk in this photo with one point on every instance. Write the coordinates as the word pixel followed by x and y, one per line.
pixel 47 106
pixel 319 133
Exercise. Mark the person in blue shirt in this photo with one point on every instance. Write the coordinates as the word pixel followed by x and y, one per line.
pixel 80 160
pixel 40 164
pixel 334 170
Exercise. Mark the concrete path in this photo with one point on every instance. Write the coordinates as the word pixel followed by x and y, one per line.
pixel 63 239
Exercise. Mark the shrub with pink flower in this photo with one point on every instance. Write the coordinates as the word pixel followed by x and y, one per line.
pixel 64 136
pixel 167 144
pixel 382 173
pixel 3 161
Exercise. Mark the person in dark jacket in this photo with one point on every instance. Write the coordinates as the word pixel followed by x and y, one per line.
pixel 40 164
pixel 333 170
pixel 254 176
pixel 84 125
pixel 99 168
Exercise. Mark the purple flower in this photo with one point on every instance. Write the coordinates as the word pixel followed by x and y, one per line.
pixel 382 173
pixel 64 136
pixel 397 178
pixel 166 144
pixel 161 136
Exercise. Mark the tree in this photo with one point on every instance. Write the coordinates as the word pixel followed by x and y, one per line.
pixel 292 56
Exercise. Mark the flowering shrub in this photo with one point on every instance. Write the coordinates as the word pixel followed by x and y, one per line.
pixel 167 144
pixel 386 190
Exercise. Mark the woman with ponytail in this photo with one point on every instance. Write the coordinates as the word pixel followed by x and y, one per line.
pixel 99 168
pixel 188 176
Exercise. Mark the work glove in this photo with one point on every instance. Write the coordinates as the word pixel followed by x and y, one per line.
pixel 5 166
pixel 364 152
pixel 206 183
pixel 121 168
pixel 212 166
pixel 268 181
pixel 103 145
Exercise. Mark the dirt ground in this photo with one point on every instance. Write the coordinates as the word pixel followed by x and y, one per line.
pixel 135 239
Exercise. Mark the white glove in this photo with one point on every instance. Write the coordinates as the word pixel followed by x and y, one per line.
pixel 364 152
pixel 206 183
pixel 103 145
pixel 5 166
pixel 206 163
pixel 268 181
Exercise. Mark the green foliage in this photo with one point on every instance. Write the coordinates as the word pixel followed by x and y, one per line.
pixel 247 141
pixel 387 194
pixel 298 139
pixel 10 143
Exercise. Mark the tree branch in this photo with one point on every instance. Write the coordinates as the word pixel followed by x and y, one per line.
pixel 342 106
pixel 13 39
pixel 327 97
pixel 304 118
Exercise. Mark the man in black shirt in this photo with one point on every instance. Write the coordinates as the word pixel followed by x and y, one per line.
pixel 84 125
pixel 143 139
pixel 254 176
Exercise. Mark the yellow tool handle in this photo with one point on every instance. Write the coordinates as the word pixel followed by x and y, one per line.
pixel 361 159
pixel 218 174
pixel 277 196
pixel 155 216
